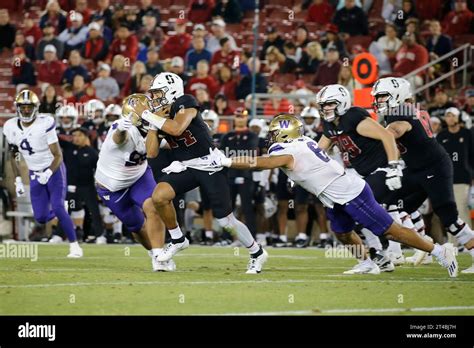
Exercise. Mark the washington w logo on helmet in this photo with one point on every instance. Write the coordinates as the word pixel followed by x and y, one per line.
pixel 284 123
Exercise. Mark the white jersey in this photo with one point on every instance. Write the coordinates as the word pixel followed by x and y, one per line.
pixel 33 141
pixel 318 173
pixel 120 166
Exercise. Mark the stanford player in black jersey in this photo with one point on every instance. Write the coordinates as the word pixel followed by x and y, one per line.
pixel 429 171
pixel 177 115
pixel 370 149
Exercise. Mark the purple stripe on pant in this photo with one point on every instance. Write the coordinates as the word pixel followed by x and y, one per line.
pixel 127 204
pixel 364 210
pixel 48 201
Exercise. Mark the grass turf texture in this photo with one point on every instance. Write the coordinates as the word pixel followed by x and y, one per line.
pixel 112 279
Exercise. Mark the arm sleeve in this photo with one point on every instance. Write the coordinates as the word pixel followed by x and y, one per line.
pixel 51 135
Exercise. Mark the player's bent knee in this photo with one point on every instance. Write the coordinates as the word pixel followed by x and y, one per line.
pixel 163 194
pixel 148 207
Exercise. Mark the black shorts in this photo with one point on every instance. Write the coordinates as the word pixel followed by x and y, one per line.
pixel 259 193
pixel 205 201
pixel 285 193
pixel 215 186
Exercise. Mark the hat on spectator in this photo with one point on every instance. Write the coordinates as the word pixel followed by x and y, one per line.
pixel 94 26
pixel 50 48
pixel 435 119
pixel 76 17
pixel 452 110
pixel 256 122
pixel 332 28
pixel 105 67
pixel 181 21
pixel 199 27
pixel 177 62
pixel 219 22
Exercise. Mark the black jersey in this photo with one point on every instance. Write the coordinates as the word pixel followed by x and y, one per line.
pixel 418 147
pixel 364 154
pixel 65 142
pixel 196 140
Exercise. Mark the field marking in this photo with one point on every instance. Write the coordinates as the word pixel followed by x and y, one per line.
pixel 352 311
pixel 225 282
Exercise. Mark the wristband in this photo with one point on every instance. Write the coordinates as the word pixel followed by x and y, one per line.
pixel 153 119
pixel 18 180
pixel 227 162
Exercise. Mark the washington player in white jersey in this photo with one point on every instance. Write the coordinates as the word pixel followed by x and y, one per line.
pixel 125 182
pixel 35 138
pixel 348 198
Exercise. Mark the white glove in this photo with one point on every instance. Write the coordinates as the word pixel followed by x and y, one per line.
pixel 218 159
pixel 43 177
pixel 19 187
pixel 124 124
pixel 71 188
pixel 393 179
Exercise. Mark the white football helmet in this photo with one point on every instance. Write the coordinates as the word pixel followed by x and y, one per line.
pixel 396 90
pixel 311 112
pixel 165 88
pixel 210 116
pixel 67 116
pixel 112 113
pixel 94 110
pixel 333 94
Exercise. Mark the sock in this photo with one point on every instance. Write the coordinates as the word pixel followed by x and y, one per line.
pixel 155 251
pixel 118 226
pixel 323 236
pixel 283 238
pixel 418 221
pixel 302 235
pixel 371 239
pixel 234 226
pixel 209 234
pixel 437 250
pixel 407 221
pixel 254 248
pixel 394 247
pixel 393 212
pixel 176 233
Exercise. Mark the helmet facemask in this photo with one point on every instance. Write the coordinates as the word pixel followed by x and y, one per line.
pixel 329 110
pixel 67 122
pixel 382 102
pixel 110 119
pixel 26 112
pixel 158 99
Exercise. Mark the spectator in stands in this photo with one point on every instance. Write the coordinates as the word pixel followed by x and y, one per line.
pixel 290 63
pixel 385 49
pixel 150 30
pixel 125 44
pixel 412 26
pixel 7 30
pixel 245 85
pixel 50 101
pixel 199 30
pixel 202 79
pixel 408 11
pixel 106 88
pixel 147 8
pixel 176 66
pixel 120 70
pixel 458 21
pixel 328 71
pixel 89 95
pixel 31 30
pixel 226 55
pixel 96 47
pixel 74 36
pixel 301 37
pixel 67 93
pixel 320 12
pixel 75 68
pixel 49 38
pixel 83 9
pixel 436 125
pixel 202 96
pixel 469 106
pixel 438 44
pixel 106 32
pixel 346 79
pixel 228 10
pixel 118 15
pixel 221 105
pixel 311 58
pixel 440 104
pixel 145 84
pixel 20 41
pixel 179 43
pixel 410 56
pixel 275 60
pixel 51 69
pixel 197 53
pixel 274 106
pixel 227 83
pixel 23 71
pixel 332 40
pixel 218 32
pixel 54 16
pixel 153 66
pixel 351 19
pixel 131 20
pixel 78 87
pixel 103 12
pixel 200 11
pixel 273 38
pixel 133 83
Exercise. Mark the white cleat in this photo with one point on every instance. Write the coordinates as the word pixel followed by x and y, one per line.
pixel 469 270
pixel 397 259
pixel 447 259
pixel 101 240
pixel 256 263
pixel 423 258
pixel 75 252
pixel 55 240
pixel 365 267
pixel 166 266
pixel 171 250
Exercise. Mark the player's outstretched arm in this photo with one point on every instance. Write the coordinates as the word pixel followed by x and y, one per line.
pixel 262 162
pixel 122 125
pixel 174 127
pixel 371 129
pixel 399 128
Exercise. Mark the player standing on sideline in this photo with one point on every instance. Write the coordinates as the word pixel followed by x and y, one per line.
pixel 35 138
pixel 348 198
pixel 177 116
pixel 125 182
pixel 429 170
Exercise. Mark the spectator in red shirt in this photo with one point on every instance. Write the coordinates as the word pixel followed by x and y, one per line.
pixel 84 10
pixel 96 47
pixel 221 105
pixel 458 22
pixel 320 12
pixel 125 44
pixel 199 11
pixel 32 32
pixel 409 57
pixel 226 55
pixel 150 30
pixel 20 41
pixel 227 83
pixel 202 79
pixel 328 71
pixel 51 69
pixel 178 44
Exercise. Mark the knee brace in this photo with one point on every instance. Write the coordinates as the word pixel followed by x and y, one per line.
pixel 461 231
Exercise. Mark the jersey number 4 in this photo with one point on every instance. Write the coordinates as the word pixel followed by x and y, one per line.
pixel 25 146
pixel 187 137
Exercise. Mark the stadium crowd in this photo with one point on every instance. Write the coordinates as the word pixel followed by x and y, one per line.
pixel 76 53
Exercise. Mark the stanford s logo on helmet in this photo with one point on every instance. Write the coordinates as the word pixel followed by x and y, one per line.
pixel 390 92
pixel 165 88
pixel 333 101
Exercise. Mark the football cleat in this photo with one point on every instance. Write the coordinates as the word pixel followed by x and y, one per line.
pixel 422 257
pixel 447 259
pixel 171 250
pixel 384 263
pixel 469 270
pixel 255 264
pixel 166 266
pixel 101 240
pixel 397 259
pixel 301 240
pixel 365 267
pixel 55 239
pixel 75 252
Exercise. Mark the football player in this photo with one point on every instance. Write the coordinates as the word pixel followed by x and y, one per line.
pixel 35 138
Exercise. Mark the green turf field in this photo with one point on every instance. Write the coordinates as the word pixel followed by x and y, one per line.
pixel 117 279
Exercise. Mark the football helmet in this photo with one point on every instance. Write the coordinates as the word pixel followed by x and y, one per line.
pixel 67 116
pixel 284 128
pixel 391 91
pixel 94 110
pixel 311 113
pixel 210 116
pixel 128 110
pixel 165 88
pixel 333 94
pixel 112 114
pixel 27 104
